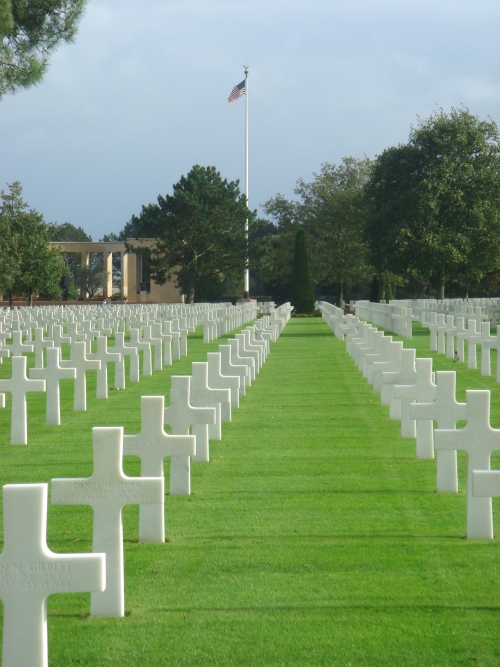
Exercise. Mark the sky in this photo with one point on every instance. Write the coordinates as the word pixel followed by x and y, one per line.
pixel 141 95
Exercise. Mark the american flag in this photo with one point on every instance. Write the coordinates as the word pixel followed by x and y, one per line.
pixel 237 92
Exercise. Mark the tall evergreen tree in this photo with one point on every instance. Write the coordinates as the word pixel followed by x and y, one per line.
pixel 301 291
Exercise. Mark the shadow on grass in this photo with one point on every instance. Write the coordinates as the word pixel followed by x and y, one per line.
pixel 320 607
pixel 296 334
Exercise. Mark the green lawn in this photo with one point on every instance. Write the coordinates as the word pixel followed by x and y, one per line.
pixel 313 537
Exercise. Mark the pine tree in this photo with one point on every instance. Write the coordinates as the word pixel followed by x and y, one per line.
pixel 301 291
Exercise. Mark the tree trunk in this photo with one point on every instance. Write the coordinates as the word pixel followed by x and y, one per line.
pixel 423 289
pixel 11 300
pixel 375 290
pixel 440 283
pixel 340 294
pixel 381 291
pixel 190 294
pixel 30 297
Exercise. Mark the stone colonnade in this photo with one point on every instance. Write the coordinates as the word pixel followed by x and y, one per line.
pixel 131 270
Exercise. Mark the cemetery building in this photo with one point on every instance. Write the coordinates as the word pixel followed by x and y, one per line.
pixel 136 285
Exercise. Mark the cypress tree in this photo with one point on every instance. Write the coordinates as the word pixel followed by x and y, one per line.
pixel 301 291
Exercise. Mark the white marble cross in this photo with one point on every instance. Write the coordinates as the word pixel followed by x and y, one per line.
pixel 106 357
pixel 446 412
pixel 82 364
pixel 392 365
pixel 441 330
pixel 383 354
pixel 486 484
pixel 460 335
pixel 484 337
pixel 229 368
pixel 167 330
pixel 216 380
pixel 451 330
pixel 152 445
pixel 250 350
pixel 156 331
pixel 176 327
pixel 156 344
pixel 39 343
pixel 18 386
pixel 126 350
pixel 406 375
pixel 470 336
pixel 256 337
pixel 180 416
pixel 245 351
pixel 52 374
pixel 58 338
pixel 479 440
pixel 17 348
pixel 238 356
pixel 423 390
pixel 432 325
pixel 202 396
pixel 147 366
pixel 107 491
pixel 30 572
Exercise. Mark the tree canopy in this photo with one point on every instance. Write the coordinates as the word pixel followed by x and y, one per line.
pixel 30 264
pixel 301 290
pixel 30 31
pixel 435 202
pixel 199 231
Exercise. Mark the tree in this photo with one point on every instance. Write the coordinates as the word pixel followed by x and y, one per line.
pixel 68 232
pixel 276 256
pixel 35 266
pixel 301 291
pixel 334 214
pixel 199 231
pixel 30 31
pixel 435 202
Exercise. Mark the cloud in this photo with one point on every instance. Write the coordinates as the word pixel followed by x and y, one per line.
pixel 141 95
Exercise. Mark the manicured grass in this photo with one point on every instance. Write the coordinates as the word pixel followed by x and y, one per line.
pixel 313 537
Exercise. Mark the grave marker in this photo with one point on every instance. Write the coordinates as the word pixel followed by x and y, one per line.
pixel 105 357
pixel 202 395
pixel 479 440
pixel 52 374
pixel 446 412
pixel 18 386
pixel 216 380
pixel 107 491
pixel 423 390
pixel 152 445
pixel 30 572
pixel 180 415
pixel 80 362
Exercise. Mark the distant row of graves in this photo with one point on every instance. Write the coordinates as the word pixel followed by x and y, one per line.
pixel 419 397
pixel 157 335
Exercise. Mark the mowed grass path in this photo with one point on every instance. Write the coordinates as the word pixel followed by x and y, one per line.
pixel 313 537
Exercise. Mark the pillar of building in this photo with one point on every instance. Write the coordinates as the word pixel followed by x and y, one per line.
pixel 124 272
pixel 131 274
pixel 85 261
pixel 108 277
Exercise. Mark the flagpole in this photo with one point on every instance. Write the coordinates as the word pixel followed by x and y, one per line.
pixel 247 271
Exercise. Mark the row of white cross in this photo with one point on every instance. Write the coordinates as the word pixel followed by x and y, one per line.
pixel 419 397
pixel 30 571
pixel 166 339
pixel 86 322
